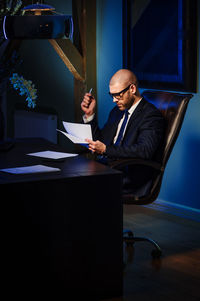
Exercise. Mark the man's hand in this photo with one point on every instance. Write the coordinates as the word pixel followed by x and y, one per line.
pixel 88 104
pixel 96 146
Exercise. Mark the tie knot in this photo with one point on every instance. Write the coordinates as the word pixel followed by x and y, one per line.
pixel 126 113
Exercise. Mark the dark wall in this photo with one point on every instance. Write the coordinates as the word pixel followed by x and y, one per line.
pixel 53 80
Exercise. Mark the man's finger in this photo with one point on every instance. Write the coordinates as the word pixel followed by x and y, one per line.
pixel 89 141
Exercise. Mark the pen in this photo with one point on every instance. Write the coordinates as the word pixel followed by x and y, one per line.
pixel 90 96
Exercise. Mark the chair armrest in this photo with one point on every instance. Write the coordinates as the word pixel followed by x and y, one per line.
pixel 136 161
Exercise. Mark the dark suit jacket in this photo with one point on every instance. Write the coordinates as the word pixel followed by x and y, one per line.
pixel 142 139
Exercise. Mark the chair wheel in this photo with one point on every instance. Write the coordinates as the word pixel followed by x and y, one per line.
pixel 128 238
pixel 156 253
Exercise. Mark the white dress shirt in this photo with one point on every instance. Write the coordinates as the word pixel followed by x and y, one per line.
pixel 130 111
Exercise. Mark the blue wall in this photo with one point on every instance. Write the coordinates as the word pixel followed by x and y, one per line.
pixel 109 51
pixel 181 183
pixel 182 177
pixel 44 67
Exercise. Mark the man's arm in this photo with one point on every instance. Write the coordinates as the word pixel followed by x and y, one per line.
pixel 144 144
pixel 141 141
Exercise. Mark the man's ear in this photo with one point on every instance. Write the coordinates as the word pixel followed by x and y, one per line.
pixel 133 88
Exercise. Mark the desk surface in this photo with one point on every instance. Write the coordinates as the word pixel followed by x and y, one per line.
pixel 62 231
pixel 70 167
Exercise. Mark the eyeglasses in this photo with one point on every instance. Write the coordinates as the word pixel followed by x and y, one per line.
pixel 120 94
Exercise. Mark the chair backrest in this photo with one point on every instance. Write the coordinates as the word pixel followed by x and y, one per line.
pixel 173 107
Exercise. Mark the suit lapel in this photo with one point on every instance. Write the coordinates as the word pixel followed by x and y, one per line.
pixel 133 119
pixel 131 123
pixel 115 124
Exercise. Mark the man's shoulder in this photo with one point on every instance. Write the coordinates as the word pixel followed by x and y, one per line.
pixel 148 106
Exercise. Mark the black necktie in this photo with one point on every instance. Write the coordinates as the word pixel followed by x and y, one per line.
pixel 120 135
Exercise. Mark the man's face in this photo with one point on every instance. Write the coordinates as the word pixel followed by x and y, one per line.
pixel 122 95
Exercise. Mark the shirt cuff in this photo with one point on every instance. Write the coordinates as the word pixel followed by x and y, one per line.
pixel 88 119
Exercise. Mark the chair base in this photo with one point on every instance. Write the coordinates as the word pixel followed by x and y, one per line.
pixel 130 239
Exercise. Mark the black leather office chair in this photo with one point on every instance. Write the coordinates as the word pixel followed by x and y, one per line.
pixel 173 107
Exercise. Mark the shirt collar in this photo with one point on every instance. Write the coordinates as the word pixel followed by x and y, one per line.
pixel 133 107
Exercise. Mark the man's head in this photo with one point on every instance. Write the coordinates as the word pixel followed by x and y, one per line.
pixel 124 89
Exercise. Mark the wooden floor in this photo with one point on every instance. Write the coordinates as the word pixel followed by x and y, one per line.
pixel 176 276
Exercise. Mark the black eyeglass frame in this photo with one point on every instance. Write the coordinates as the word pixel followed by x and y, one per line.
pixel 118 95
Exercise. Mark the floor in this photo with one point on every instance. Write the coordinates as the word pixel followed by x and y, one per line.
pixel 176 276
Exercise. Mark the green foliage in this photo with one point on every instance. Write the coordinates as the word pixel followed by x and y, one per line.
pixel 25 87
pixel 8 8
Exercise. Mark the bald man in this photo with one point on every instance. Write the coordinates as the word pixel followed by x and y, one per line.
pixel 134 128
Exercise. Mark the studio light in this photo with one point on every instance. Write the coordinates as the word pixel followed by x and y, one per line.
pixel 39 21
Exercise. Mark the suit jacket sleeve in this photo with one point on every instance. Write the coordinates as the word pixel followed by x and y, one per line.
pixel 144 133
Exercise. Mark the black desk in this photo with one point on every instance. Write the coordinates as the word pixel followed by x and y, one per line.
pixel 61 232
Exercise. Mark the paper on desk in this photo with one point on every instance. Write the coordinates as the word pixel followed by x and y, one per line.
pixel 77 132
pixel 30 169
pixel 52 155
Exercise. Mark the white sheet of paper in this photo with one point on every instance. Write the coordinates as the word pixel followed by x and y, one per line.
pixel 73 138
pixel 77 132
pixel 30 169
pixel 52 155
